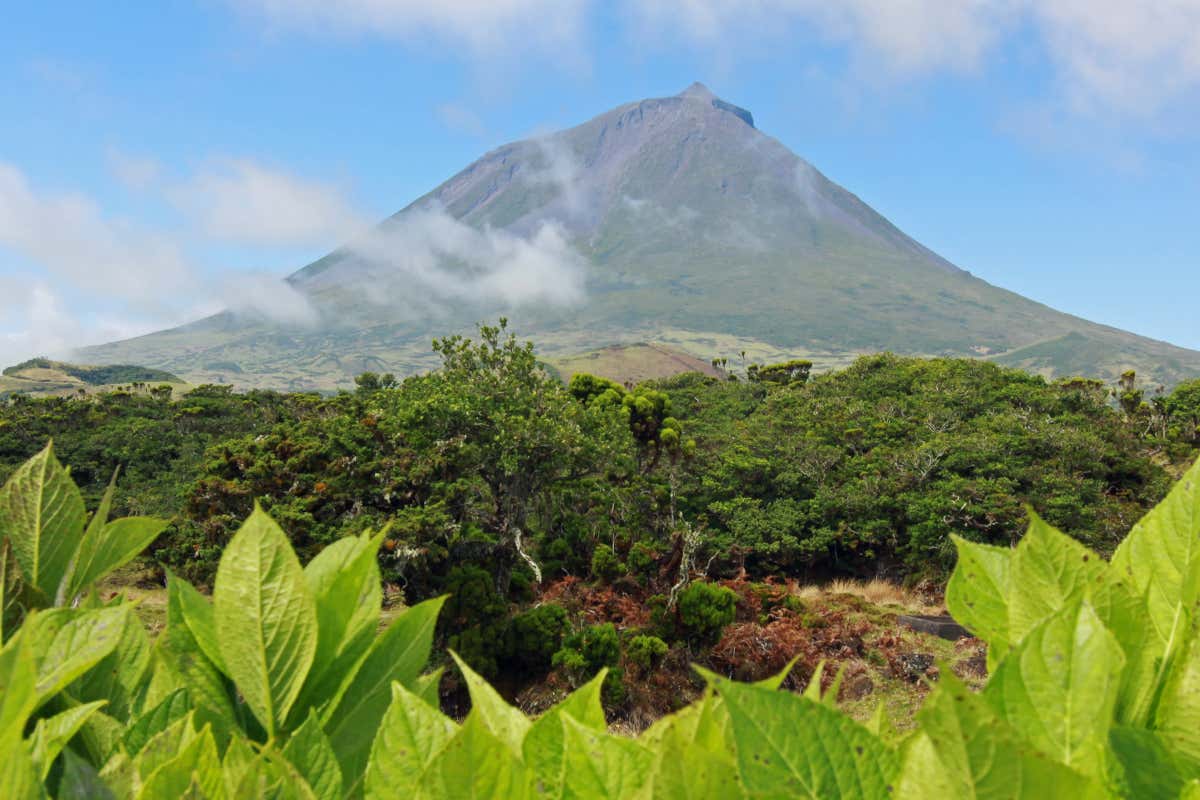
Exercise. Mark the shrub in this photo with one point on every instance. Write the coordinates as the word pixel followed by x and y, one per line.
pixel 645 651
pixel 534 636
pixel 475 618
pixel 642 560
pixel 704 611
pixel 585 653
pixel 606 566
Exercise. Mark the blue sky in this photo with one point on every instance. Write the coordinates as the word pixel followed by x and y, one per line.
pixel 159 161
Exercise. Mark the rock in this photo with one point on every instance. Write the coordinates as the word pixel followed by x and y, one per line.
pixel 943 626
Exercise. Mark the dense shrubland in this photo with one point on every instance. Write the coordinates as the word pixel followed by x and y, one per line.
pixel 283 684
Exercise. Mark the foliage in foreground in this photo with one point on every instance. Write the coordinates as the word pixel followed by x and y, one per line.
pixel 281 686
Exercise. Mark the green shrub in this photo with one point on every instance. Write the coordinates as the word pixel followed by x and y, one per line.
pixel 475 618
pixel 642 560
pixel 606 566
pixel 534 636
pixel 645 651
pixel 704 611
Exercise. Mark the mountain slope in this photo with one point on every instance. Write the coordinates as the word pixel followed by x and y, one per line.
pixel 670 219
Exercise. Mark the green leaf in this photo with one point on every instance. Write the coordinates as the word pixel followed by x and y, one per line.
pixel 163 747
pixel 978 590
pixel 1050 572
pixel 68 643
pixel 475 764
pixel 312 756
pixel 18 775
pixel 10 590
pixel 685 767
pixel 120 676
pixel 427 687
pixel 1147 769
pixel 789 746
pixel 108 548
pixel 42 514
pixel 1178 717
pixel 544 746
pixel 18 684
pixel 508 724
pixel 174 708
pixel 1160 559
pixel 398 654
pixel 186 606
pixel 182 664
pixel 598 765
pixel 80 781
pixel 51 735
pixel 410 736
pixel 194 772
pixel 266 619
pixel 100 736
pixel 1058 687
pixel 344 579
pixel 963 750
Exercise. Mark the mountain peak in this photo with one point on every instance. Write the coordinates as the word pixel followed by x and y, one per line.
pixel 698 91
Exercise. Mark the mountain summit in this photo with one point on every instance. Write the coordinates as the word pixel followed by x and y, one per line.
pixel 671 219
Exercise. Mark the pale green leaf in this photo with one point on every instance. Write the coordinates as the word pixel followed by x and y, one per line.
pixel 108 548
pixel 18 775
pixel 182 664
pixel 42 514
pixel 963 750
pixel 685 767
pixel 120 676
pixel 508 724
pixel 163 746
pixel 51 735
pixel 398 654
pixel 68 643
pixel 10 590
pixel 411 734
pixel 1058 688
pixel 543 748
pixel 311 754
pixel 266 620
pixel 598 765
pixel 1178 717
pixel 475 765
pixel 18 684
pixel 186 606
pixel 789 746
pixel 427 687
pixel 172 709
pixel 978 591
pixel 194 772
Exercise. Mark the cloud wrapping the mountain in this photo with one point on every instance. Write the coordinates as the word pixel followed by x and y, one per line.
pixel 426 260
pixel 240 201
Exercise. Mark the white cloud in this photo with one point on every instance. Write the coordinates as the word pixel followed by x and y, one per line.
pixel 139 173
pixel 484 27
pixel 426 262
pixel 241 201
pixel 460 119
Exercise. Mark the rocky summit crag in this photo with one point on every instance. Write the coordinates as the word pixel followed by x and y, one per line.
pixel 672 220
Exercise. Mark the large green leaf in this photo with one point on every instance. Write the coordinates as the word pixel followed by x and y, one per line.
pixel 186 606
pixel 1178 718
pixel 163 747
pixel 67 643
pixel 978 590
pixel 411 734
pixel 544 746
pixel 108 548
pixel 81 781
pixel 344 580
pixel 172 709
pixel 398 654
pixel 51 734
pixel 789 746
pixel 18 775
pixel 1160 559
pixel 266 619
pixel 598 765
pixel 311 754
pixel 686 763
pixel 505 722
pixel 120 676
pixel 475 765
pixel 1057 689
pixel 962 750
pixel 10 590
pixel 1147 768
pixel 182 664
pixel 18 684
pixel 42 514
pixel 194 772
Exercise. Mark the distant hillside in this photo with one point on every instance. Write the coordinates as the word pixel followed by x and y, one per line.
pixel 683 223
pixel 633 363
pixel 41 376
